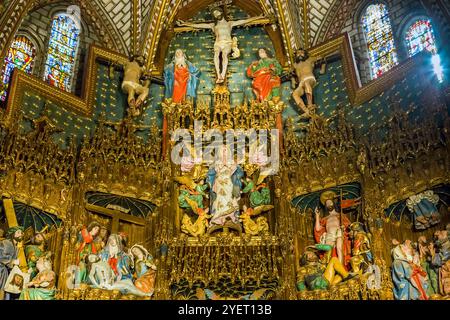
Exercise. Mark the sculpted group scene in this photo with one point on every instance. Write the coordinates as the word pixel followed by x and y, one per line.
pixel 225 150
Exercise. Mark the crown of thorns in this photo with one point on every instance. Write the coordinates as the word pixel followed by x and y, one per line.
pixel 215 8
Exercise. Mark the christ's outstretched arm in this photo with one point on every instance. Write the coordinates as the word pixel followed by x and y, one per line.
pixel 314 59
pixel 195 25
pixel 245 21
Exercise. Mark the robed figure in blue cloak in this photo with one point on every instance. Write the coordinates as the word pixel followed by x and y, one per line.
pixel 410 280
pixel 181 78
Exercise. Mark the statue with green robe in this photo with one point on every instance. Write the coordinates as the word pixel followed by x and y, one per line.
pixel 425 263
pixel 34 251
pixel 196 194
pixel 42 287
pixel 266 74
pixel 258 195
pixel 321 272
pixel 85 247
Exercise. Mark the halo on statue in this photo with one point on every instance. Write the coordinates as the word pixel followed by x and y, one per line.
pixel 327 195
pixel 250 169
pixel 357 226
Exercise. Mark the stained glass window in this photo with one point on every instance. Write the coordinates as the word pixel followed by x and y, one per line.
pixel 420 36
pixel 20 55
pixel 62 52
pixel 380 40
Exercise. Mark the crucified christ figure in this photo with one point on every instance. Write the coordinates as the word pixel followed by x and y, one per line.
pixel 224 44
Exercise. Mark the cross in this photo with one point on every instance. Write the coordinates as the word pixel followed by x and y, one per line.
pixel 116 216
pixel 12 222
pixel 260 21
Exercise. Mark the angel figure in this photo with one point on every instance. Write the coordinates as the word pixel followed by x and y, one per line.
pixel 191 190
pixel 198 228
pixel 255 227
pixel 259 192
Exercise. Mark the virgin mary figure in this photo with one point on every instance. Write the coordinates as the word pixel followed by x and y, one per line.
pixel 224 179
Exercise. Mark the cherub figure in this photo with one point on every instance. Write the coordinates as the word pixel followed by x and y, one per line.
pixel 198 228
pixel 255 227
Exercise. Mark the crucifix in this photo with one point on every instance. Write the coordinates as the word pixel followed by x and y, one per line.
pixel 224 44
pixel 116 215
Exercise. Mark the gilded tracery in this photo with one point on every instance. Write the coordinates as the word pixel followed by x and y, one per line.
pixel 215 150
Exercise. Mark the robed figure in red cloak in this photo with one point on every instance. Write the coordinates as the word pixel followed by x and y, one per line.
pixel 266 76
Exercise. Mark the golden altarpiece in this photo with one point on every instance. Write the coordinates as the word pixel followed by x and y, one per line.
pixel 116 184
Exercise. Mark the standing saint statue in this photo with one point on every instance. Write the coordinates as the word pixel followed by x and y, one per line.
pixel 440 259
pixel 86 246
pixel 181 78
pixel 34 251
pixel 266 76
pixel 9 255
pixel 224 44
pixel 136 82
pixel 304 70
pixel 330 230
